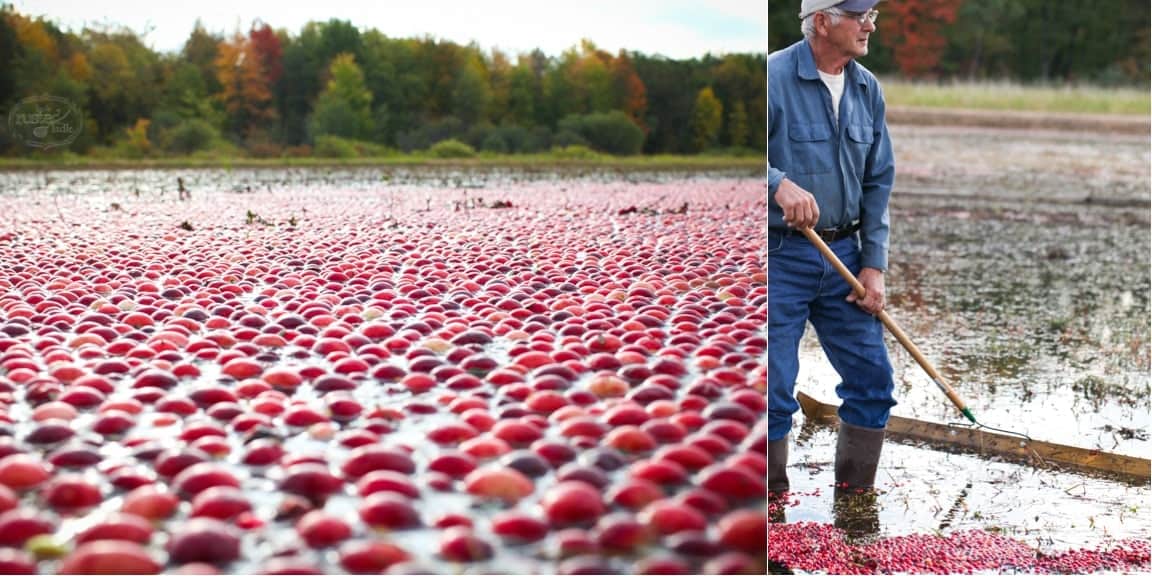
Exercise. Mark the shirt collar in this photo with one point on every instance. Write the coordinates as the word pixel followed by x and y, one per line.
pixel 806 66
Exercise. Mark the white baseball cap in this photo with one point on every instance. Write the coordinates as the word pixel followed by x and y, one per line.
pixel 811 6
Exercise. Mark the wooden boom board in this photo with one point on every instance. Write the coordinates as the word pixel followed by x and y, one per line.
pixel 1034 453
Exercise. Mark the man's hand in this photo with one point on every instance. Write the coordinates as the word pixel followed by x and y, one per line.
pixel 873 281
pixel 800 210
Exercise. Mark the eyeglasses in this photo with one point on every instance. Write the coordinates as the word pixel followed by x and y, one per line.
pixel 861 17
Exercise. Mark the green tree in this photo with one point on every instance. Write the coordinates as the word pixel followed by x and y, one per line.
pixel 471 94
pixel 499 78
pixel 522 90
pixel 299 84
pixel 594 79
pixel 200 50
pixel 344 109
pixel 737 125
pixel 392 73
pixel 671 87
pixel 10 52
pixel 111 77
pixel 561 90
pixel 707 117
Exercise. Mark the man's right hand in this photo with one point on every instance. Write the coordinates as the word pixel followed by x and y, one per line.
pixel 800 209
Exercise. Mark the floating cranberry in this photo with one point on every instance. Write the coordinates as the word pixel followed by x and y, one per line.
pixel 23 471
pixel 635 493
pixel 18 525
pixel 388 510
pixel 151 502
pixel 220 502
pixel 736 483
pixel 371 557
pixel 387 481
pixel 519 526
pixel 204 540
pixel 745 530
pixel 504 484
pixel 109 557
pixel 670 517
pixel 374 457
pixel 460 544
pixel 572 503
pixel 320 529
pixel 311 480
pixel 70 492
pixel 620 532
pixel 199 477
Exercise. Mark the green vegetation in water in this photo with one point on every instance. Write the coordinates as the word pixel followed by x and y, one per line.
pixel 1012 96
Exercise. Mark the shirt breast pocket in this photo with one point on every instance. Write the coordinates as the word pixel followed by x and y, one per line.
pixel 860 137
pixel 812 152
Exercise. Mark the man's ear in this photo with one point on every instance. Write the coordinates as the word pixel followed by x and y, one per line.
pixel 820 24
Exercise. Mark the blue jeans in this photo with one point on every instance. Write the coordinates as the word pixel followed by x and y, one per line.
pixel 803 287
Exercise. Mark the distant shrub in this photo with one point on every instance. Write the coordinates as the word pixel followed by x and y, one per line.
pixel 451 148
pixel 495 143
pixel 447 128
pixel 612 132
pixel 265 150
pixel 191 136
pixel 537 139
pixel 566 137
pixel 372 149
pixel 732 152
pixel 574 152
pixel 334 147
pixel 301 151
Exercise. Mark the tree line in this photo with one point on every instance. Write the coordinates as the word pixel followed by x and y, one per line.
pixel 1103 42
pixel 334 89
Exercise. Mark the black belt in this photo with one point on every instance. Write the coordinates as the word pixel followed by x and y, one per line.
pixel 827 234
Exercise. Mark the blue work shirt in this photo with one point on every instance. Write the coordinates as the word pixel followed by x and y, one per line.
pixel 848 166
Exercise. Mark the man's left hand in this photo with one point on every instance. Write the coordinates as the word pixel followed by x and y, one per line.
pixel 873 281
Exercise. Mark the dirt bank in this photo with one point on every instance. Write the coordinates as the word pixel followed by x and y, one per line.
pixel 1021 120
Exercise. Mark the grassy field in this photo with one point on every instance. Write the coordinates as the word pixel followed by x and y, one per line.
pixel 1008 96
pixel 542 161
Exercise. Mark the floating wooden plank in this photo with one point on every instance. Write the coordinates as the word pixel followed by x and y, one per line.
pixel 1034 453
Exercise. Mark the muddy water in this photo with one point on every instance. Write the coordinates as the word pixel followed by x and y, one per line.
pixel 1021 269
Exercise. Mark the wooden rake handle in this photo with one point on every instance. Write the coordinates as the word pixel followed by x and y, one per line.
pixel 889 323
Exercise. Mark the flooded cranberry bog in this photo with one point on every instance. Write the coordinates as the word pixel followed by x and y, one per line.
pixel 367 371
pixel 1021 269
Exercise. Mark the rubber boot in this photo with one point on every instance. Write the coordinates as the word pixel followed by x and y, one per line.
pixel 778 465
pixel 855 508
pixel 857 456
pixel 778 480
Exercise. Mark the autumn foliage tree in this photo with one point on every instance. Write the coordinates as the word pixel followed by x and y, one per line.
pixel 707 119
pixel 244 88
pixel 628 89
pixel 915 31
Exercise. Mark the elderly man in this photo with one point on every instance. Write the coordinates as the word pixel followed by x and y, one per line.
pixel 830 168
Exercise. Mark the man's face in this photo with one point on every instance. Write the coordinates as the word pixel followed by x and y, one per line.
pixel 848 35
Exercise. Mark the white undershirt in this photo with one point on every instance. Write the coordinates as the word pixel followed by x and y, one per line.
pixel 835 84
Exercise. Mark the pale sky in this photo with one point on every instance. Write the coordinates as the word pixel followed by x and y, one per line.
pixel 672 28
